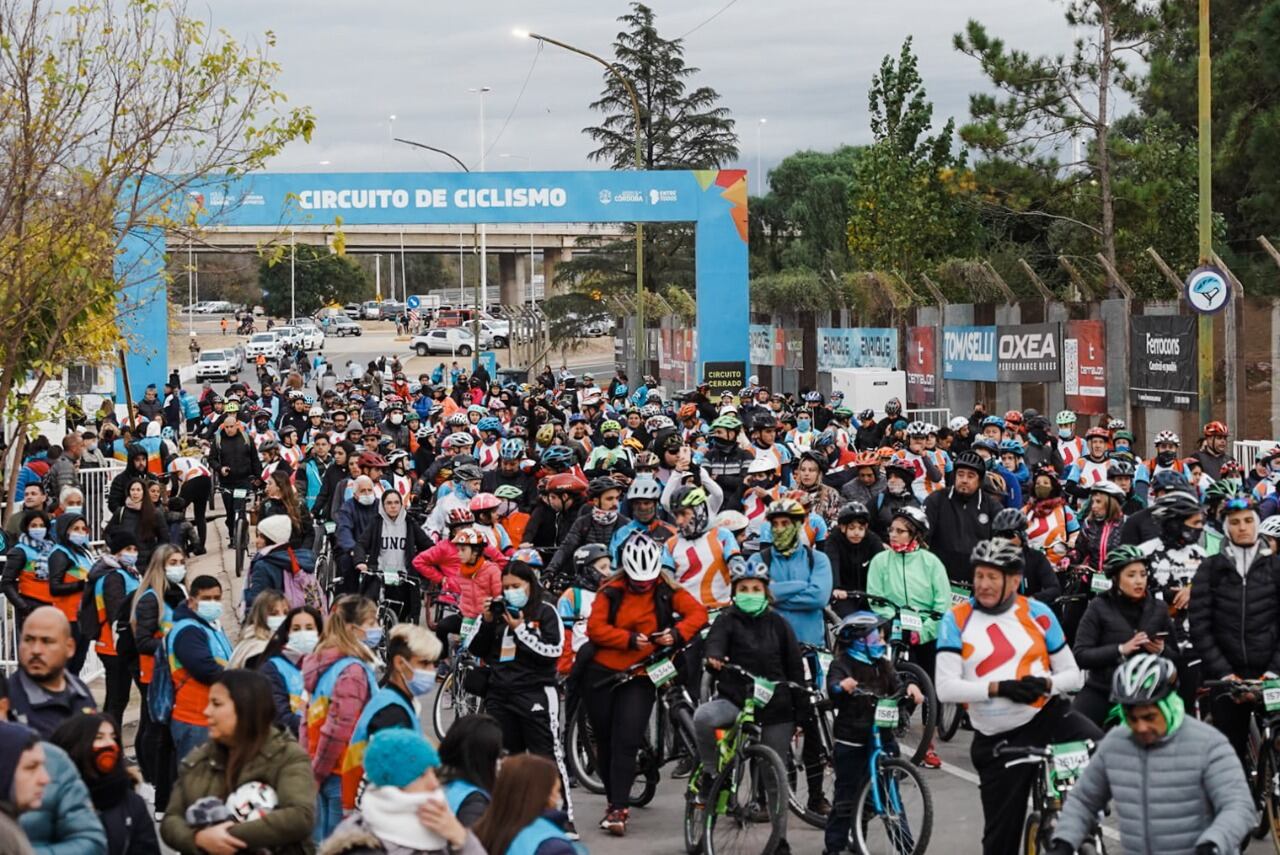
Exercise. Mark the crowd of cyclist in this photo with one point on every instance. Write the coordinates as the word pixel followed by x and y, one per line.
pixel 563 532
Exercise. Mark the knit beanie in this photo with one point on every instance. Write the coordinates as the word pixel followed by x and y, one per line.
pixel 397 757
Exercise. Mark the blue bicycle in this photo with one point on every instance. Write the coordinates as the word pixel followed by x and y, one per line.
pixel 894 809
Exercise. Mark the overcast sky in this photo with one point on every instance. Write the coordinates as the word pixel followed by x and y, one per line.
pixel 803 65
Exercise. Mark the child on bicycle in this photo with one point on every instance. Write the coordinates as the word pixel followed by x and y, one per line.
pixel 862 661
pixel 753 636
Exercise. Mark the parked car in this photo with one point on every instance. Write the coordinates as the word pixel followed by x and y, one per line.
pixel 390 310
pixel 269 344
pixel 291 337
pixel 344 326
pixel 218 307
pixel 451 340
pixel 351 310
pixel 216 365
pixel 371 310
pixel 499 332
pixel 312 335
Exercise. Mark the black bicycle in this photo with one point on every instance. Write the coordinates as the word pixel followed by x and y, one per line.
pixel 1060 766
pixel 1262 768
pixel 238 499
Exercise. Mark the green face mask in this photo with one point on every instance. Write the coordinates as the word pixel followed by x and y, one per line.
pixel 752 604
pixel 785 539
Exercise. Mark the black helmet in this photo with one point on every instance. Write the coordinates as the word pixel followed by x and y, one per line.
pixel 1168 479
pixel 1009 521
pixel 853 512
pixel 998 553
pixel 858 625
pixel 970 460
pixel 1143 679
pixel 1175 505
pixel 597 487
pixel 588 554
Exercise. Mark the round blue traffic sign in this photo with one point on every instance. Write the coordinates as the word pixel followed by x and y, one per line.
pixel 1208 290
pixel 413 302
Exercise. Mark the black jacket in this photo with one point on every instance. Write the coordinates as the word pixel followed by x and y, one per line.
pixel 1140 528
pixel 956 524
pixel 849 561
pixel 1110 621
pixel 1232 632
pixel 119 489
pixel 584 530
pixel 238 454
pixel 855 714
pixel 1038 578
pixel 538 643
pixel 369 546
pixel 766 646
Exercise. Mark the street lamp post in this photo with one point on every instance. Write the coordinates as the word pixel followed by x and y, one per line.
pixel 484 237
pixel 475 320
pixel 1206 210
pixel 759 172
pixel 293 260
pixel 191 298
pixel 641 342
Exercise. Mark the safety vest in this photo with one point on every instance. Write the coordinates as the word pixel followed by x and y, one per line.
pixel 69 604
pixel 534 835
pixel 190 696
pixel 700 565
pixel 318 704
pixel 292 676
pixel 1044 531
pixel 33 579
pixel 457 792
pixel 106 644
pixel 147 664
pixel 353 758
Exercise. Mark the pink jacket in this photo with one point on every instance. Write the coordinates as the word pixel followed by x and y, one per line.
pixel 350 694
pixel 440 565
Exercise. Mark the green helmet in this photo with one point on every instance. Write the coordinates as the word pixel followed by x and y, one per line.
pixel 688 497
pixel 1121 557
pixel 610 426
pixel 1222 489
pixel 728 422
pixel 842 413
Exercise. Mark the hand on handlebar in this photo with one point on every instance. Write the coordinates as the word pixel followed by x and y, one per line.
pixel 363 568
pixel 717 664
pixel 1181 599
pixel 848 684
pixel 914 693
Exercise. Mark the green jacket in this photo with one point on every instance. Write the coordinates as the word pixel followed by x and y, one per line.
pixel 913 580
pixel 281 764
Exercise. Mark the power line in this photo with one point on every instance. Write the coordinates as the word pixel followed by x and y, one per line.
pixel 723 9
pixel 523 86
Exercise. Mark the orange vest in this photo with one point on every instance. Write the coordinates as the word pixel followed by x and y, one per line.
pixel 33 579
pixel 190 696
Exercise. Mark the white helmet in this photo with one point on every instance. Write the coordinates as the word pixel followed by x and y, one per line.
pixel 1270 526
pixel 732 520
pixel 957 423
pixel 1167 436
pixel 762 464
pixel 316 410
pixel 641 558
pixel 253 800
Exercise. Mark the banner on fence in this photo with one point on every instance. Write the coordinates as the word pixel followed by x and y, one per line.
pixel 861 347
pixel 766 345
pixel 1162 361
pixel 1029 353
pixel 724 377
pixel 1084 367
pixel 969 353
pixel 677 359
pixel 922 368
pixel 793 348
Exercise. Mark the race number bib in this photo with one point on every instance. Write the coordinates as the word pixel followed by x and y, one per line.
pixel 1069 760
pixel 887 712
pixel 470 626
pixel 911 622
pixel 1271 695
pixel 662 672
pixel 1099 583
pixel 762 690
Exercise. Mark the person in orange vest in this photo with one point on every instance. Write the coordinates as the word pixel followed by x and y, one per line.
pixel 198 654
pixel 26 571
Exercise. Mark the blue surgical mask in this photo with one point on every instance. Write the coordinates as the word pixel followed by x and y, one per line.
pixel 304 640
pixel 37 533
pixel 423 682
pixel 128 559
pixel 373 637
pixel 803 425
pixel 210 610
pixel 1065 433
pixel 79 538
pixel 517 598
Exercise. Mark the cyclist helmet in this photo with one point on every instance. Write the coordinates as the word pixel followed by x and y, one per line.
pixel 648 411
pixel 1009 521
pixel 610 426
pixel 736 521
pixel 588 554
pixel 687 411
pixel 597 487
pixel 1066 417
pixel 866 415
pixel 646 460
pixel 558 457
pixel 512 449
pixel 1229 469
pixel 528 555
pixel 740 569
pixel 814 397
pixel 1216 429
pixel 508 492
pixel 1270 526
pixel 918 429
pixel 468 472
pixel 893 407
pixel 457 420
pixel 467 537
pixel 688 496
pixel 1120 469
pixel 694 499
pixel 915 518
pixel 459 440
pixel 993 421
pixel 641 558
pixel 853 512
pixel 1116 424
pixel 1109 488
pixel 373 460
pixel 1221 490
pixel 958 423
pixel 396 456
pixel 1167 480
pixel 864 459
pixel 859 626
pixel 272 445
pixel 565 482
pixel 1121 557
pixel 460 516
pixel 1239 502
pixel 481 502
pixel 1097 433
pixel 1123 434
pixel 1176 505
pixel 998 553
pixel 645 490
pixel 786 507
pixel 1143 679
pixel 842 413
pixel 489 424
pixel 1012 446
pixel 1167 436
pixel 727 422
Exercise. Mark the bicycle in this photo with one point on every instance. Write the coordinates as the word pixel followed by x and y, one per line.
pixel 910 620
pixel 952 717
pixel 387 588
pixel 817 663
pixel 668 736
pixel 238 523
pixel 325 562
pixel 1262 768
pixel 453 700
pixel 1061 765
pixel 893 809
pixel 748 792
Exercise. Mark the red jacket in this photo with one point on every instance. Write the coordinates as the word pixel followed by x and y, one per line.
pixel 440 565
pixel 615 640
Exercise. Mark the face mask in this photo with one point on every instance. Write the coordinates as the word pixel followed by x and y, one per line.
pixel 373 637
pixel 366 499
pixel 74 509
pixel 128 559
pixel 396 418
pixel 723 443
pixel 803 425
pixel 106 759
pixel 604 517
pixel 274 622
pixel 36 533
pixel 90 446
pixel 611 442
pixel 517 598
pixel 1189 535
pixel 210 610
pixel 1165 458
pixel 79 538
pixel 304 640
pixel 176 573
pixel 903 548
pixel 785 539
pixel 423 682
pixel 1043 491
pixel 752 604
pixel 463 491
pixel 641 587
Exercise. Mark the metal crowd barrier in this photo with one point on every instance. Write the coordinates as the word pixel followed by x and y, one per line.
pixel 1246 451
pixel 939 416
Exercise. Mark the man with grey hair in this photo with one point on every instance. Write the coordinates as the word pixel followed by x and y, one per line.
pixel 355 515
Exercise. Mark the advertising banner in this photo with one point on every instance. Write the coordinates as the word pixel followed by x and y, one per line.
pixel 1162 361
pixel 861 347
pixel 1084 367
pixel 676 359
pixel 969 353
pixel 724 377
pixel 793 348
pixel 1029 353
pixel 922 368
pixel 764 345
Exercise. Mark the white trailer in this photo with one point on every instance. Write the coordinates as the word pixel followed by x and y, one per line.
pixel 872 388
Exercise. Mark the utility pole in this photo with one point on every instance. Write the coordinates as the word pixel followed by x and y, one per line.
pixel 1206 212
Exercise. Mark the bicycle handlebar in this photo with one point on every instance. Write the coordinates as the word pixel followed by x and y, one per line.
pixel 873 598
pixel 743 672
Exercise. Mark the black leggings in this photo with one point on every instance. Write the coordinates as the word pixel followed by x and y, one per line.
pixel 196 492
pixel 619 719
pixel 1094 704
pixel 118 679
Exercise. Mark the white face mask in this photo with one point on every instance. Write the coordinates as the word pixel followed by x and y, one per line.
pixel 175 573
pixel 304 640
pixel 274 622
pixel 366 499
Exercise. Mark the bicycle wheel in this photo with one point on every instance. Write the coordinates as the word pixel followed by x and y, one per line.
pixel 1270 798
pixel 809 795
pixel 894 811
pixel 923 717
pixel 1031 834
pixel 949 718
pixel 240 543
pixel 451 703
pixel 746 805
pixel 695 814
pixel 581 753
pixel 645 785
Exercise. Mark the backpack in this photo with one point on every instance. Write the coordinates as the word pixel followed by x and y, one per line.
pixel 87 618
pixel 161 692
pixel 301 588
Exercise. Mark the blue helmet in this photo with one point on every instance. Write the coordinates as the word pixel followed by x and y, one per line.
pixel 489 423
pixel 169 433
pixel 993 420
pixel 512 449
pixel 559 456
pixel 1012 446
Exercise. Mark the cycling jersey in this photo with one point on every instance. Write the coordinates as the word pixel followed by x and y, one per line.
pixel 701 565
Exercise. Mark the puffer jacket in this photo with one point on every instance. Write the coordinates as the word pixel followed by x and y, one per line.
pixel 915 580
pixel 350 694
pixel 65 823
pixel 266 572
pixel 764 645
pixel 585 529
pixel 281 765
pixel 1110 621
pixel 1097 538
pixel 1186 789
pixel 1235 632
pixel 440 564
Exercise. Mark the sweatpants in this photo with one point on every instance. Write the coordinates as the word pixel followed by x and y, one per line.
pixel 619 718
pixel 530 722
pixel 1005 790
